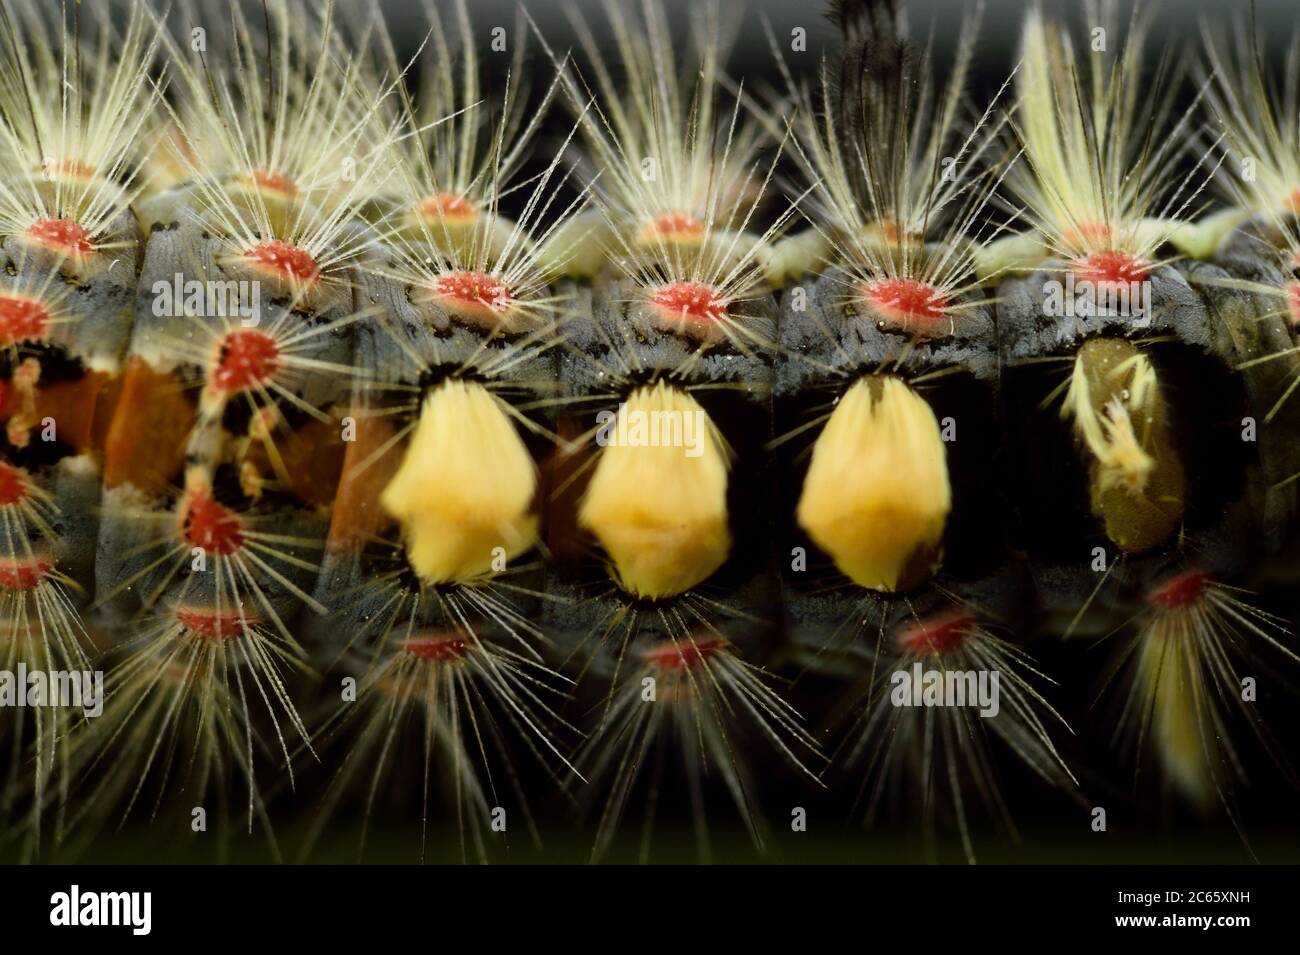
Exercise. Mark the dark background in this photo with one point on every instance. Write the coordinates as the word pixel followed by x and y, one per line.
pixel 1174 22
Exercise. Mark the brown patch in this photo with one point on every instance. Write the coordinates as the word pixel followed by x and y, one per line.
pixel 561 492
pixel 145 440
pixel 75 405
pixel 357 514
pixel 313 459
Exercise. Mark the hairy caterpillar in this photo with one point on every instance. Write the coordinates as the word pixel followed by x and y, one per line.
pixel 461 428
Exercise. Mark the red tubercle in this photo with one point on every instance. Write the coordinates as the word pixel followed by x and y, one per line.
pixel 62 235
pixel 25 574
pixel 209 525
pixel 905 301
pixel 449 207
pixel 1181 590
pixel 1293 299
pixel 476 294
pixel 272 181
pixel 1292 202
pixel 683 655
pixel 674 226
pixel 284 260
pixel 1112 267
pixel 22 319
pixel 691 302
pixel 245 359
pixel 13 485
pixel 210 624
pixel 939 634
pixel 438 648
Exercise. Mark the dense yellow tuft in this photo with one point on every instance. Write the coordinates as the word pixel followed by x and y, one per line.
pixel 1100 147
pixel 1136 477
pixel 659 507
pixel 465 487
pixel 877 496
pixel 1169 678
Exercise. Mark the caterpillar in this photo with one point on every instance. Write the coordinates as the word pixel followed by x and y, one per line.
pixel 608 439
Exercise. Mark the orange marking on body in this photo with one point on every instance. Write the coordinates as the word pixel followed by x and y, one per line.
pixel 19 403
pixel 74 404
pixel 449 208
pixel 1087 233
pixel 673 227
pixel 312 458
pixel 144 441
pixel 70 168
pixel 894 233
pixel 357 517
pixel 274 182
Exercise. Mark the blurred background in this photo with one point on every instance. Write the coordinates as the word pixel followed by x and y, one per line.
pixel 1176 23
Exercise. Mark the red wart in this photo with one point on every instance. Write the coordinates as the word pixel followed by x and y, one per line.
pixel 939 634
